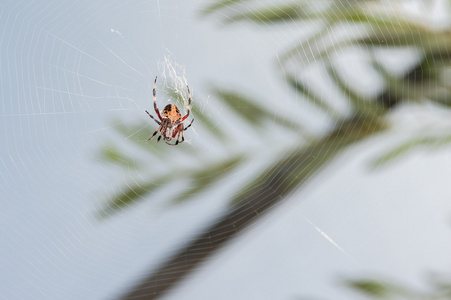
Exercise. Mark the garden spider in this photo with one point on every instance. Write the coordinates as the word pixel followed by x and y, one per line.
pixel 171 124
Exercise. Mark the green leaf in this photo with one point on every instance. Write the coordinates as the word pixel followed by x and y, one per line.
pixel 377 289
pixel 362 106
pixel 112 154
pixel 419 37
pixel 219 5
pixel 371 288
pixel 269 15
pixel 311 96
pixel 202 179
pixel 242 106
pixel 132 193
pixel 251 112
pixel 410 145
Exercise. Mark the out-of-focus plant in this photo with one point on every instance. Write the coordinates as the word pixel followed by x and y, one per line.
pixel 439 289
pixel 378 30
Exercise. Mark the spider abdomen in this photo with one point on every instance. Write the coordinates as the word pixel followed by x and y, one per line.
pixel 171 112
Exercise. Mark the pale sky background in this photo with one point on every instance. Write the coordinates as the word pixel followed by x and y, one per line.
pixel 70 70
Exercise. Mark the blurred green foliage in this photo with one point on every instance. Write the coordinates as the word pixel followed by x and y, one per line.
pixel 377 25
pixel 439 288
pixel 371 26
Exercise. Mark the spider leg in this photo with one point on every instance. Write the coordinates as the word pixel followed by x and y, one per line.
pixel 189 125
pixel 176 143
pixel 180 131
pixel 155 99
pixel 158 122
pixel 154 134
pixel 176 131
pixel 189 105
pixel 183 134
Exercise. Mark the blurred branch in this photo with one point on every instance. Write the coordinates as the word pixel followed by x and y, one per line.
pixel 279 179
pixel 378 26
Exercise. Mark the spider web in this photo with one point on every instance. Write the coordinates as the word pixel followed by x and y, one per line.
pixel 74 72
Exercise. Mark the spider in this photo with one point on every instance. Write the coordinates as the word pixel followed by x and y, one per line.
pixel 171 124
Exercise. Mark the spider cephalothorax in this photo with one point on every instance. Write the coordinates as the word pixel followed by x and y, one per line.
pixel 171 121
